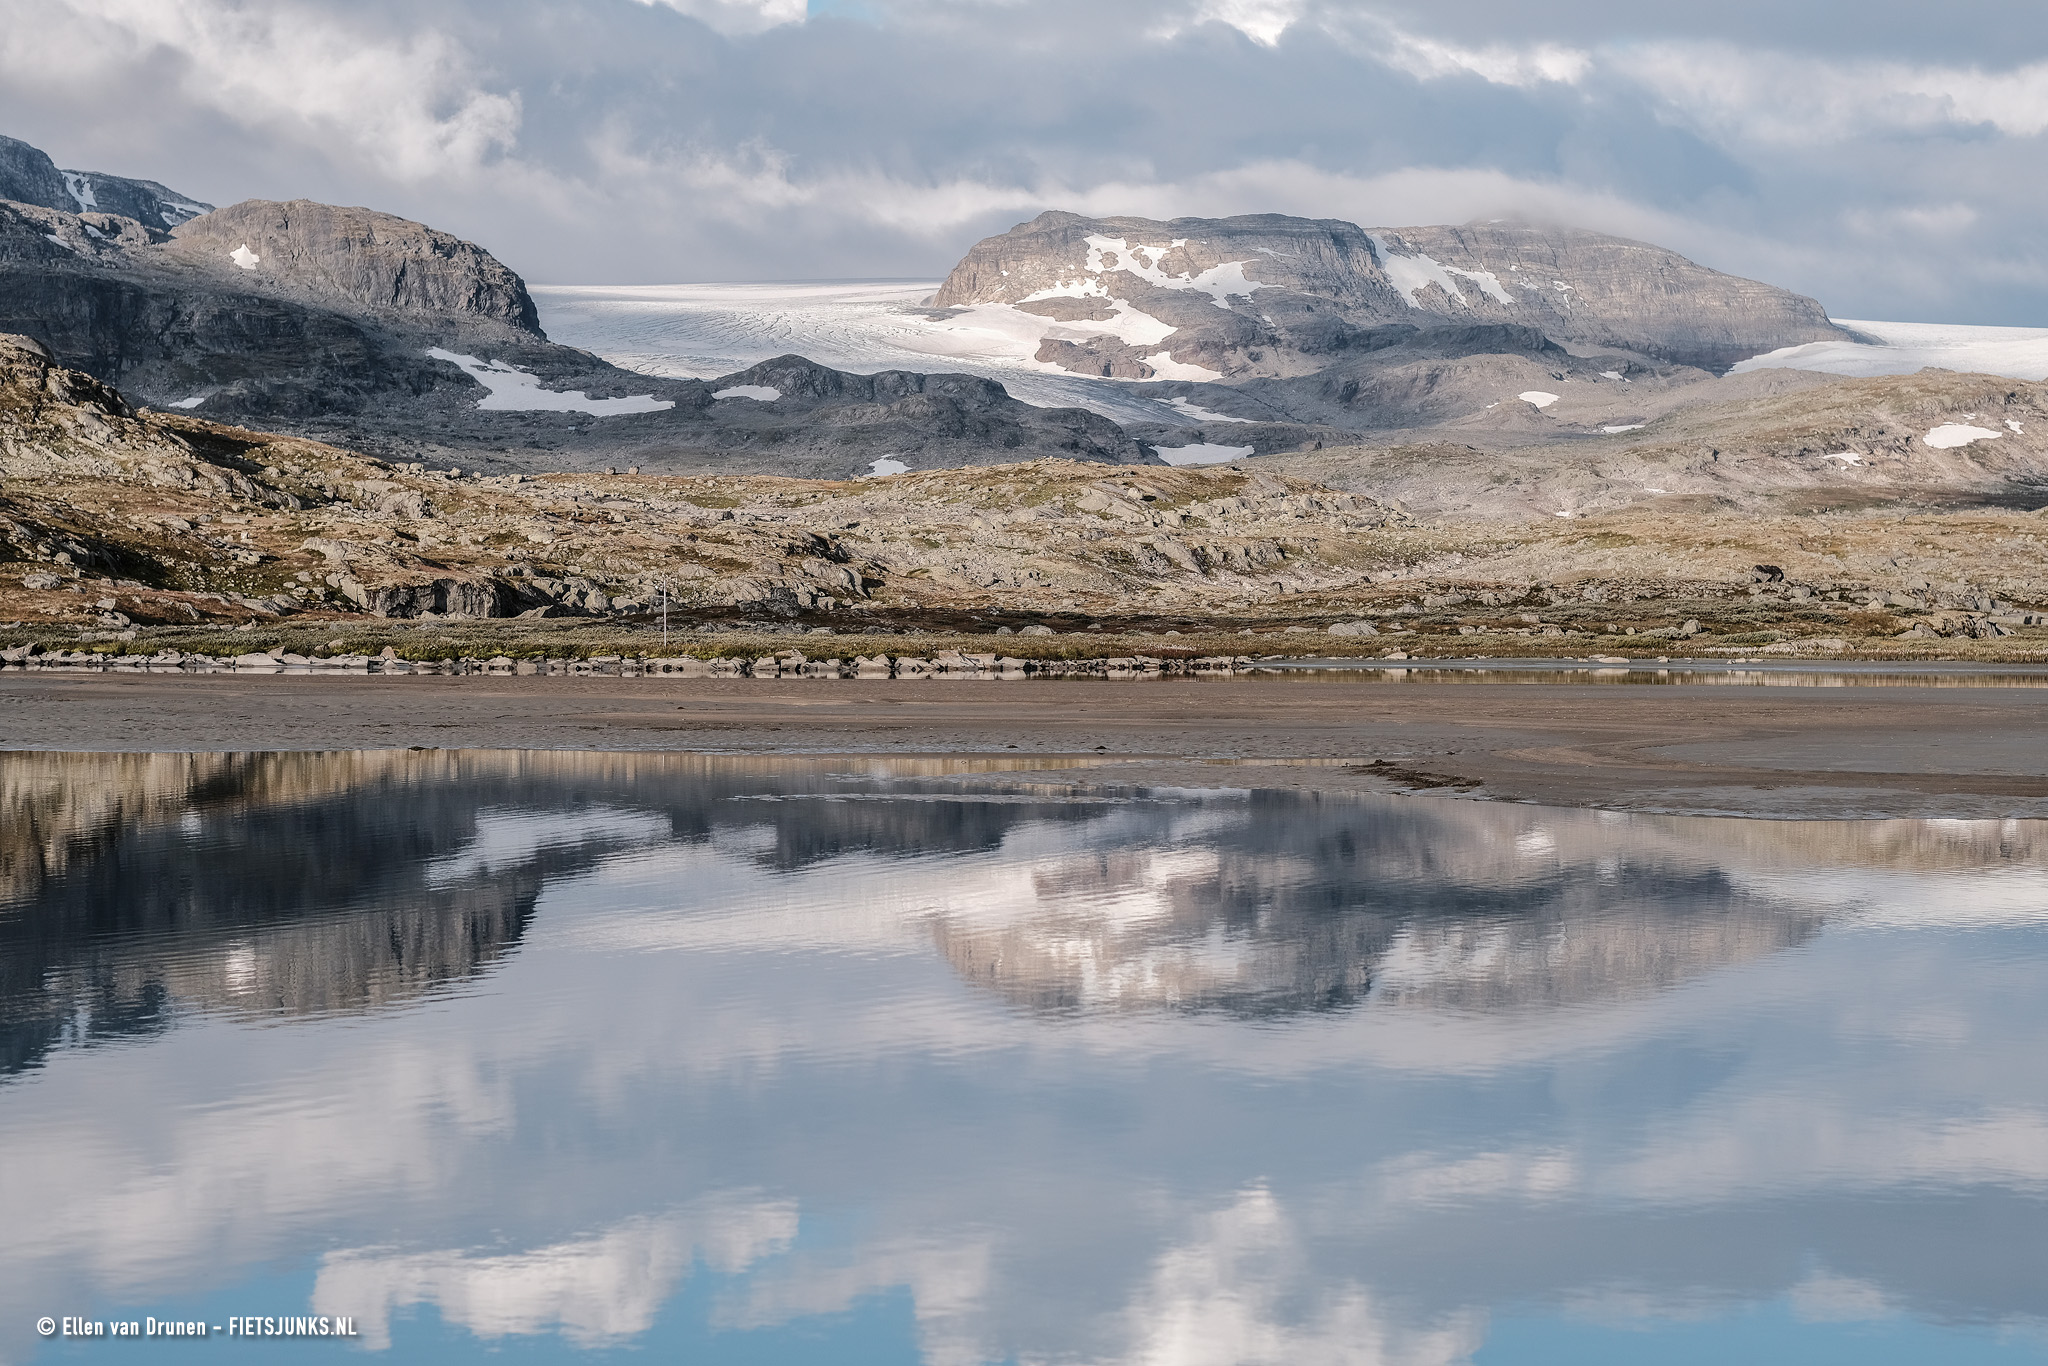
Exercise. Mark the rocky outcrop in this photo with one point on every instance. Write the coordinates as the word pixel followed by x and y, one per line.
pixel 359 258
pixel 447 597
pixel 358 327
pixel 1270 296
pixel 791 415
pixel 28 176
pixel 1589 289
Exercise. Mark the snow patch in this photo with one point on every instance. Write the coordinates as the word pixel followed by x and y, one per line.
pixel 1078 289
pixel 244 257
pixel 1128 324
pixel 1181 405
pixel 1612 374
pixel 1218 282
pixel 885 465
pixel 1202 454
pixel 760 393
pixel 81 190
pixel 1631 427
pixel 516 391
pixel 1164 366
pixel 1847 458
pixel 707 331
pixel 192 402
pixel 53 237
pixel 1413 274
pixel 2017 429
pixel 1538 398
pixel 1950 435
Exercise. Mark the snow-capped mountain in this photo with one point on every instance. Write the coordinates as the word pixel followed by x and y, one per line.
pixel 1268 296
pixel 29 176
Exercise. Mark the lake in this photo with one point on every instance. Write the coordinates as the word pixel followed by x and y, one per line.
pixel 534 1056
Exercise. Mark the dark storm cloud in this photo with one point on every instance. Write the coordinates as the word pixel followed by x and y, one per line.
pixel 1878 158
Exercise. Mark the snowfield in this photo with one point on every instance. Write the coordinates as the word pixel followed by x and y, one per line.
pixel 1187 409
pixel 704 331
pixel 516 391
pixel 1218 282
pixel 1949 435
pixel 1903 348
pixel 1413 274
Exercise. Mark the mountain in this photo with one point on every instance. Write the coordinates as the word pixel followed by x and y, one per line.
pixel 1268 296
pixel 361 327
pixel 117 521
pixel 28 176
pixel 167 518
pixel 359 259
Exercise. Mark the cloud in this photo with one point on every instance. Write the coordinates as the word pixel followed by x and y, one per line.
pixel 1782 98
pixel 644 140
pixel 413 104
pixel 597 1290
pixel 739 16
pixel 1230 1293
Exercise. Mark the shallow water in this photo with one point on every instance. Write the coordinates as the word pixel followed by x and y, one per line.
pixel 1646 673
pixel 544 1055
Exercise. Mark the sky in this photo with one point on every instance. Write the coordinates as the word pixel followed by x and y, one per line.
pixel 1885 157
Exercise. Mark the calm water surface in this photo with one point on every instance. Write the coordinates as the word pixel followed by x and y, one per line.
pixel 528 1057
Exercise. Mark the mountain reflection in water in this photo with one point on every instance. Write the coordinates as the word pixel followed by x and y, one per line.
pixel 1089 1072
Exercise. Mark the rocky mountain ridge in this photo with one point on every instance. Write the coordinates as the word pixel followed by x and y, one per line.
pixel 357 326
pixel 117 520
pixel 359 257
pixel 29 176
pixel 1269 296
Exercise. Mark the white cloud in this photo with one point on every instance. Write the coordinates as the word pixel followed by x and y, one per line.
pixel 1824 1297
pixel 776 148
pixel 1262 21
pixel 1770 97
pixel 1498 63
pixel 410 104
pixel 1229 1295
pixel 740 16
pixel 595 1290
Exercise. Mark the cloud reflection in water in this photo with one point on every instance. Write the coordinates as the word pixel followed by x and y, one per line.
pixel 1153 1076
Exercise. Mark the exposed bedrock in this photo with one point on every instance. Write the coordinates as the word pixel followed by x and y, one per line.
pixel 1264 294
pixel 356 256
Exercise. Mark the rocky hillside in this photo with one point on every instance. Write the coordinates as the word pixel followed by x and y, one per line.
pixel 116 520
pixel 354 326
pixel 191 520
pixel 1269 296
pixel 358 258
pixel 1772 441
pixel 28 176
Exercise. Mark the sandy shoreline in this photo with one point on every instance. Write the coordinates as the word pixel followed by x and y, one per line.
pixel 1959 752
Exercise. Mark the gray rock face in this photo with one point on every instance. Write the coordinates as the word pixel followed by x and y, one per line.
pixel 1267 296
pixel 790 415
pixel 27 175
pixel 359 258
pixel 326 331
